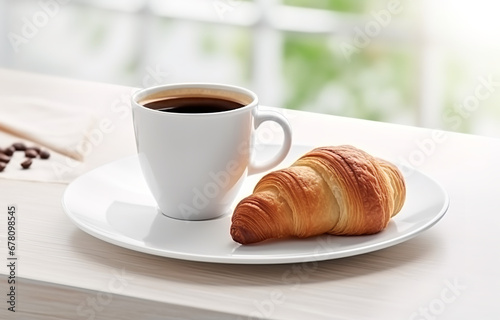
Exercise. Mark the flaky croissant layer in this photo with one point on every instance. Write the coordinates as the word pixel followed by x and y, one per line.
pixel 337 190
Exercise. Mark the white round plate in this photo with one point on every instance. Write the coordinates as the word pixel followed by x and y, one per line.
pixel 113 204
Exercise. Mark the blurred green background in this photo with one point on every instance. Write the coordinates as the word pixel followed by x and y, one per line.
pixel 407 62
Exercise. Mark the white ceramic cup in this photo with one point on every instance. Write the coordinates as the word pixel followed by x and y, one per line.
pixel 195 163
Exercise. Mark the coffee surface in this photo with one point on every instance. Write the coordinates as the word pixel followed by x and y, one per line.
pixel 193 105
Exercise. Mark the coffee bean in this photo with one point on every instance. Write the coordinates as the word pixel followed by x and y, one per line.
pixel 19 146
pixel 4 158
pixel 44 154
pixel 36 148
pixel 9 151
pixel 26 163
pixel 31 153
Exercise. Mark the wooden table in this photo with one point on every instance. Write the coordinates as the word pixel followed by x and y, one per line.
pixel 451 271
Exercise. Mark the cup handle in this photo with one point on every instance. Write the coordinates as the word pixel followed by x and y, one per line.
pixel 260 116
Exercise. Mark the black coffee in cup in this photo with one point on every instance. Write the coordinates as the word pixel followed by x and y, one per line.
pixel 193 105
pixel 195 145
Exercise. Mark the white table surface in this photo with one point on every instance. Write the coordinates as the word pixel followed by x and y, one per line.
pixel 451 271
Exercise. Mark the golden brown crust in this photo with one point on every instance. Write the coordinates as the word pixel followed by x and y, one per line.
pixel 338 190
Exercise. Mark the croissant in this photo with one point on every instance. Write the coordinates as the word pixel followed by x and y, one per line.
pixel 336 190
